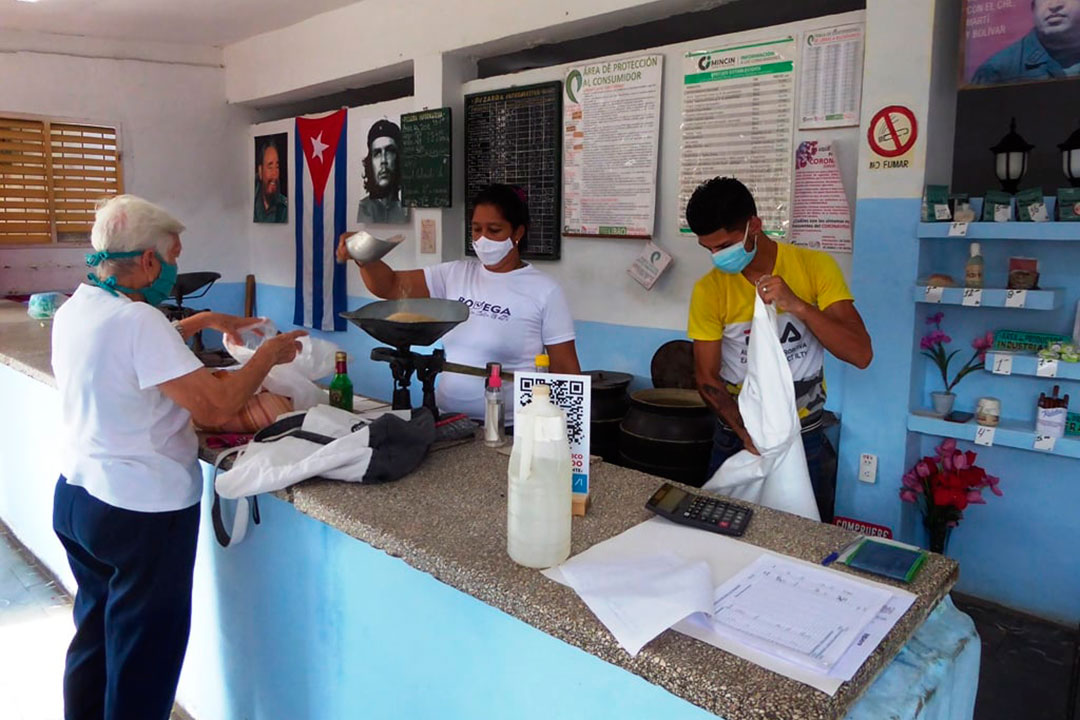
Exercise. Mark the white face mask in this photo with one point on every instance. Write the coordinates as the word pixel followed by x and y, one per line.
pixel 492 252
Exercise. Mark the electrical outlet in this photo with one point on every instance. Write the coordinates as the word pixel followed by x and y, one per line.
pixel 868 467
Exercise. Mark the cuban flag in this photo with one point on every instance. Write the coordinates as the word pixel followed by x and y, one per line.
pixel 320 208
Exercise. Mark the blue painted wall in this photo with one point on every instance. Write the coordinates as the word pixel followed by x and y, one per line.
pixel 1018 550
pixel 302 621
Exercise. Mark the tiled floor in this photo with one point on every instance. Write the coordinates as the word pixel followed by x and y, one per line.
pixel 1027 663
pixel 35 629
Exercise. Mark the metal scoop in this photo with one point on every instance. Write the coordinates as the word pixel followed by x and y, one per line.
pixel 365 247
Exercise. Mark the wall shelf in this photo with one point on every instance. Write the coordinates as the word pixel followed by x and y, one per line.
pixel 1007 434
pixel 1049 299
pixel 1029 365
pixel 1045 231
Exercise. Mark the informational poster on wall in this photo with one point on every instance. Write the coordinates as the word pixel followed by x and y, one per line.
pixel 830 77
pixel 611 130
pixel 738 118
pixel 821 218
pixel 513 136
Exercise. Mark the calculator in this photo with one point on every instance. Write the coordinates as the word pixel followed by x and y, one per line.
pixel 699 511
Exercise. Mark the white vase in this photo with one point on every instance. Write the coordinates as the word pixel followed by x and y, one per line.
pixel 943 402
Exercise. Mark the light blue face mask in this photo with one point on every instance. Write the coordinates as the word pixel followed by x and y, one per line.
pixel 735 258
pixel 155 293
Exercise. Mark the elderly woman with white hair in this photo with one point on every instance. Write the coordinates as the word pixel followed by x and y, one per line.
pixel 126 506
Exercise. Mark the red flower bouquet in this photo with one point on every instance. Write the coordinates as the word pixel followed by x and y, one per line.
pixel 943 487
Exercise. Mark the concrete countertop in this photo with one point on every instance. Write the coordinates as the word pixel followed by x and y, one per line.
pixel 464 489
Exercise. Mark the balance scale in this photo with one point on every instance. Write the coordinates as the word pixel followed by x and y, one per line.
pixel 401 336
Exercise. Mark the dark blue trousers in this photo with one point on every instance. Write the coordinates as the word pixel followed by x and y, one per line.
pixel 820 461
pixel 132 609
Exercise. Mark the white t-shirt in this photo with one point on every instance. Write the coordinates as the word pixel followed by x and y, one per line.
pixel 123 440
pixel 514 316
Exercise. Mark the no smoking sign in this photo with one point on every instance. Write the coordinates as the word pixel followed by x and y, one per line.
pixel 891 135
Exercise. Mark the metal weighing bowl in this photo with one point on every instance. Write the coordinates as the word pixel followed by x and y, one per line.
pixel 372 319
pixel 364 247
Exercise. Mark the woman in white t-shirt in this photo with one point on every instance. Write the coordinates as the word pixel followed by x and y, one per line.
pixel 516 311
pixel 126 506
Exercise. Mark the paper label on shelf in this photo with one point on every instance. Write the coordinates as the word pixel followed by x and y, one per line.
pixel 1047 368
pixel 1045 442
pixel 1038 212
pixel 934 294
pixel 1015 298
pixel 1002 364
pixel 1002 213
pixel 941 212
pixel 973 297
pixel 984 435
pixel 958 229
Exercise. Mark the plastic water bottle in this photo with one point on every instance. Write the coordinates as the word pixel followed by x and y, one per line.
pixel 539 498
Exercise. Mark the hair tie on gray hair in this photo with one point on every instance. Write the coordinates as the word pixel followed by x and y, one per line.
pixel 96 258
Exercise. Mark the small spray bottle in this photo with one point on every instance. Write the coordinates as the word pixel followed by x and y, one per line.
pixel 494 408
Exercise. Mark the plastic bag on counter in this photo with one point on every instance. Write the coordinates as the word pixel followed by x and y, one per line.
pixel 295 379
pixel 778 477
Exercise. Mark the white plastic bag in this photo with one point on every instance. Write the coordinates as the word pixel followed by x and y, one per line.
pixel 295 380
pixel 778 478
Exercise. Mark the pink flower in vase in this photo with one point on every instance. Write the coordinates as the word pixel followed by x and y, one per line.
pixel 935 319
pixel 912 482
pixel 908 495
pixel 982 344
pixel 946 448
pixel 992 483
pixel 922 469
pixel 974 497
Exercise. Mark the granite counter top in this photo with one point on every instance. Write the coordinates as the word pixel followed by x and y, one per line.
pixel 25 343
pixel 464 489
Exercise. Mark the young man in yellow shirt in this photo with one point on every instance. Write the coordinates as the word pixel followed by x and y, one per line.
pixel 816 313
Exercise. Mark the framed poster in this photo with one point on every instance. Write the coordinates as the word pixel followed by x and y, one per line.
pixel 271 179
pixel 1019 41
pixel 611 133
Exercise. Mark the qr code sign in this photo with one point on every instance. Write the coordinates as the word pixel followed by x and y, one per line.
pixel 571 393
pixel 568 395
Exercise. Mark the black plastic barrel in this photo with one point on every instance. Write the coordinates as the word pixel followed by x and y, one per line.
pixel 668 432
pixel 609 405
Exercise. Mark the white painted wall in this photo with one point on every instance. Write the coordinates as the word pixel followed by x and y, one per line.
pixel 374 40
pixel 592 270
pixel 180 143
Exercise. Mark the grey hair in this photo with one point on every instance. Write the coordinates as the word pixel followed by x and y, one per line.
pixel 126 222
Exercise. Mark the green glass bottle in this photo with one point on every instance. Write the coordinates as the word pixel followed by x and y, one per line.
pixel 341 393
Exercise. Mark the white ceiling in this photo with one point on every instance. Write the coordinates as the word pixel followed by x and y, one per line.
pixel 190 22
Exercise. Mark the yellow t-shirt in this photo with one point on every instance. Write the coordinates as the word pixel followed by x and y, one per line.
pixel 722 307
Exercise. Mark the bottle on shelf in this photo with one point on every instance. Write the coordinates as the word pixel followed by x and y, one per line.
pixel 973 271
pixel 341 389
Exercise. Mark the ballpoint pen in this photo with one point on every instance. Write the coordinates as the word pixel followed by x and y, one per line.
pixel 835 555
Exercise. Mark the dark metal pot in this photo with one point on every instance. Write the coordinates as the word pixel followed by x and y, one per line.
pixel 668 432
pixel 609 405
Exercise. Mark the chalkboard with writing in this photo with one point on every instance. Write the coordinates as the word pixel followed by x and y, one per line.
pixel 514 136
pixel 425 162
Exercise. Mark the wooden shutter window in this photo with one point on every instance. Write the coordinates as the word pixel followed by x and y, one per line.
pixel 24 183
pixel 52 175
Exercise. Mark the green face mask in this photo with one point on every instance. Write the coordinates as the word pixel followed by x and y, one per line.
pixel 155 293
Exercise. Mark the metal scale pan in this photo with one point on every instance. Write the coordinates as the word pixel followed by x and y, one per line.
pixel 372 319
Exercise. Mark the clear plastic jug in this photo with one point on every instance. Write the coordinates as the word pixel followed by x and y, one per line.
pixel 539 498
